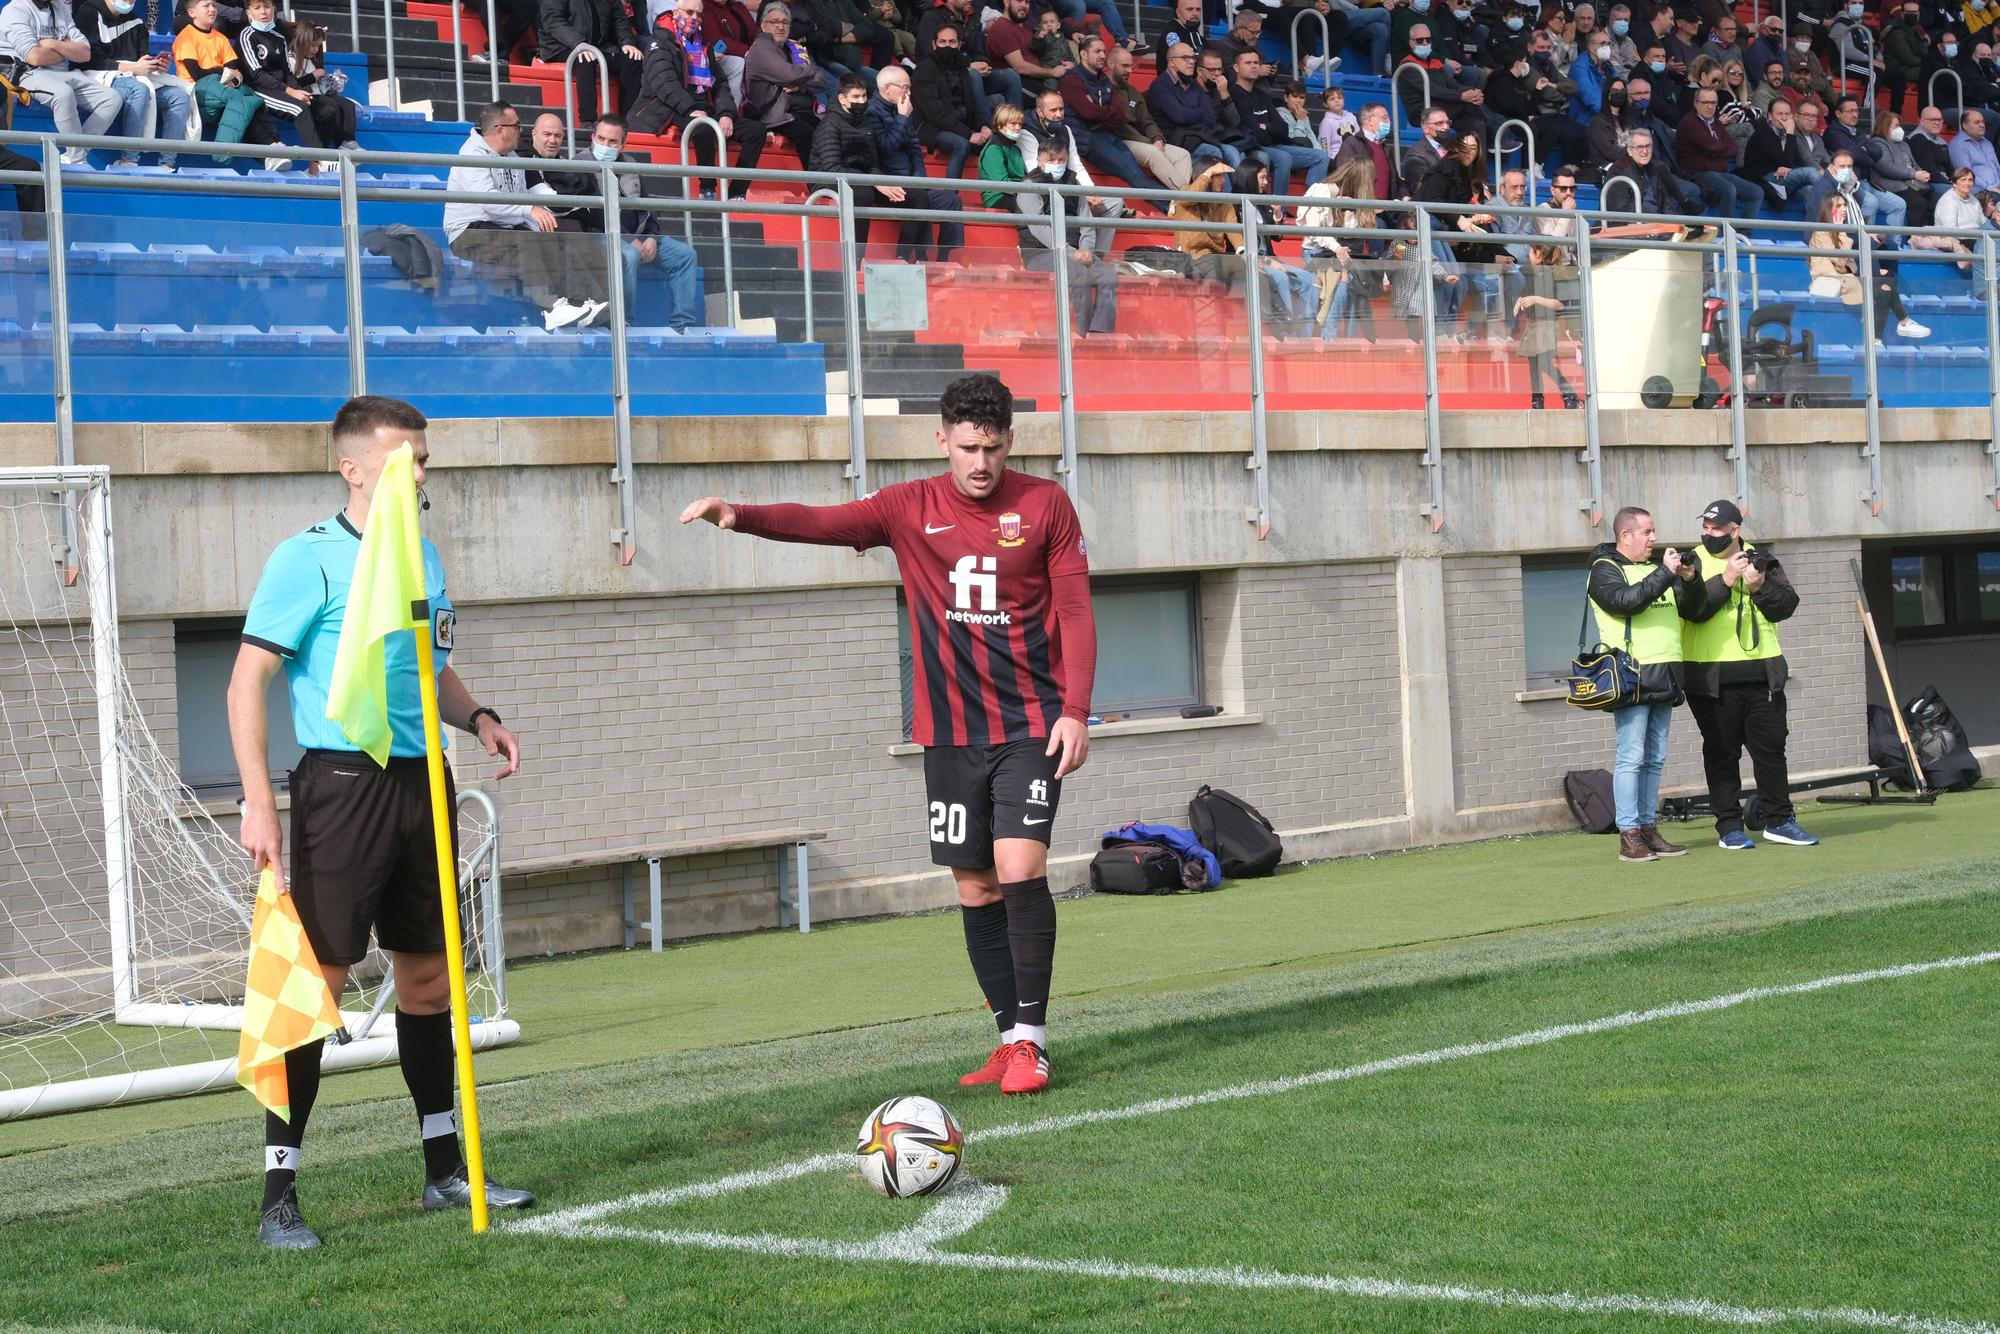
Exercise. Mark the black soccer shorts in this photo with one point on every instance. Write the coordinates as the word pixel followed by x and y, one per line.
pixel 362 855
pixel 977 794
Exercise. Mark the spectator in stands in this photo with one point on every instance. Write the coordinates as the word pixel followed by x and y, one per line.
pixel 546 143
pixel 1669 93
pixel 1725 42
pixel 1593 75
pixel 681 81
pixel 1971 148
pixel 890 115
pixel 1052 47
pixel 1904 43
pixel 1520 91
pixel 1707 156
pixel 1562 199
pixel 845 145
pixel 1095 109
pixel 1549 278
pixel 1213 252
pixel 319 122
pixel 1864 202
pixel 950 114
pixel 1093 276
pixel 1845 131
pixel 1842 273
pixel 1010 45
pixel 1368 147
pixel 1928 148
pixel 1186 112
pixel 1681 37
pixel 1000 159
pixel 1298 121
pixel 786 91
pixel 1458 91
pixel 1624 46
pixel 1957 210
pixel 1736 89
pixel 1894 170
pixel 518 239
pixel 1777 157
pixel 1111 24
pixel 155 101
pixel 1336 122
pixel 1772 88
pixel 1049 122
pixel 45 39
pixel 993 79
pixel 1348 278
pixel 1769 46
pixel 1608 128
pixel 642 239
pixel 1171 164
pixel 1660 191
pixel 1810 142
pixel 1855 44
pixel 731 25
pixel 847 40
pixel 1257 113
pixel 1368 23
pixel 597 31
pixel 1804 72
pixel 1296 290
pixel 1244 35
pixel 516 19
pixel 1433 145
pixel 206 59
pixel 306 58
pixel 1640 113
pixel 29 200
pixel 1450 181
pixel 1560 31
pixel 1188 29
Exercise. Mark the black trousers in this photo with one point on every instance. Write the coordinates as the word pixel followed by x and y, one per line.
pixel 1744 717
pixel 29 198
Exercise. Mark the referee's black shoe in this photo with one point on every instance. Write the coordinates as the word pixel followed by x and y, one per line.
pixel 283 1228
pixel 455 1192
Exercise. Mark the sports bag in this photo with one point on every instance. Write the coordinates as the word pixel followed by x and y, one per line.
pixel 1943 747
pixel 1601 676
pixel 1587 792
pixel 1235 831
pixel 1136 868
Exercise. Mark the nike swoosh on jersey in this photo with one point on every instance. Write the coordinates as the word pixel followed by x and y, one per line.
pixel 933 532
pixel 1044 820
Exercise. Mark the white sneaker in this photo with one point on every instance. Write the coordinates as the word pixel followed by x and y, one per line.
pixel 1321 65
pixel 76 157
pixel 1881 346
pixel 591 310
pixel 127 160
pixel 1909 328
pixel 277 164
pixel 561 315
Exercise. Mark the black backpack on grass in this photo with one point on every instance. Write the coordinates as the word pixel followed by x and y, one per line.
pixel 1136 868
pixel 1588 795
pixel 1236 832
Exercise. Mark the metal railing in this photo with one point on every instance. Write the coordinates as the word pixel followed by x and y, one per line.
pixel 1604 193
pixel 1930 88
pixel 702 120
pixel 570 63
pixel 1396 111
pixel 1722 240
pixel 1325 37
pixel 389 48
pixel 1500 155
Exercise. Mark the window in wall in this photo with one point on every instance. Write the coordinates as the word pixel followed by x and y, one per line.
pixel 1946 590
pixel 204 657
pixel 1148 646
pixel 1552 596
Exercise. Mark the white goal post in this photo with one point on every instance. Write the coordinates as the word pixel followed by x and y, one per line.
pixel 124 905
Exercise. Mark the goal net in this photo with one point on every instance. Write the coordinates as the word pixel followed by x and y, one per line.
pixel 124 904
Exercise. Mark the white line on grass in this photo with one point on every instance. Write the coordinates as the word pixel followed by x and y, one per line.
pixel 963 1209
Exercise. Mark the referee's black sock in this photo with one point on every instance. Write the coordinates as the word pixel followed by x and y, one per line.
pixel 282 1138
pixel 423 1049
pixel 992 960
pixel 1031 937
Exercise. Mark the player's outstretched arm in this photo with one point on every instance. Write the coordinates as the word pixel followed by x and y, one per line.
pixel 712 508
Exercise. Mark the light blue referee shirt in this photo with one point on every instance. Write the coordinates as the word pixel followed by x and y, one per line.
pixel 296 612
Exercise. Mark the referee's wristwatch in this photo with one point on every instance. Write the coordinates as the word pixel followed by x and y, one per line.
pixel 472 723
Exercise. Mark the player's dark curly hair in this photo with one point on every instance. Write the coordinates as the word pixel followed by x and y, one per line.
pixel 979 399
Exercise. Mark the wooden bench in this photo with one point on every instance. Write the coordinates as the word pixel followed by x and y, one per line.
pixel 794 881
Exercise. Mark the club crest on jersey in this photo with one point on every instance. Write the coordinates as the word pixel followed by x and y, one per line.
pixel 1010 530
pixel 444 625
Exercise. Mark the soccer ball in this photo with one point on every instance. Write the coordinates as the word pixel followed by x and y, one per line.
pixel 910 1146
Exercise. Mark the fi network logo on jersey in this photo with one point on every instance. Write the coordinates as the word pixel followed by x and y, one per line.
pixel 977 575
pixel 1038 793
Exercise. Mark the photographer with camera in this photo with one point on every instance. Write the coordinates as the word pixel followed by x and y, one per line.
pixel 1639 607
pixel 1736 676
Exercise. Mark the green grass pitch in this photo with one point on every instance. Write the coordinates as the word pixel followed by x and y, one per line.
pixel 1797 1158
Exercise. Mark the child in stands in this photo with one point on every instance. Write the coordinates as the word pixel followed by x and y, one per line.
pixel 206 59
pixel 267 62
pixel 1050 49
pixel 1337 123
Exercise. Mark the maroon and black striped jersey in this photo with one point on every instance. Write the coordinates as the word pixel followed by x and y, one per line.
pixel 1001 632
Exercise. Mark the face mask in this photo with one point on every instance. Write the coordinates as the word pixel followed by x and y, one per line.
pixel 1602 55
pixel 1896 135
pixel 1854 11
pixel 1951 50
pixel 1381 132
pixel 1641 103
pixel 1462 15
pixel 1615 99
pixel 1011 132
pixel 1909 16
pixel 1421 51
pixel 951 57
pixel 1619 27
pixel 1843 174
pixel 1657 66
pixel 1714 543
pixel 1420 6
pixel 1802 47
pixel 272 26
pixel 119 7
pixel 1514 23
pixel 604 152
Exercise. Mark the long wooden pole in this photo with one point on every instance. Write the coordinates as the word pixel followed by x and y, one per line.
pixel 1882 666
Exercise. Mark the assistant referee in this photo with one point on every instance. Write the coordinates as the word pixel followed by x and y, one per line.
pixel 363 855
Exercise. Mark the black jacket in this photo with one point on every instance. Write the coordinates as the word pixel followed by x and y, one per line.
pixel 843 143
pixel 666 97
pixel 112 37
pixel 1659 682
pixel 1776 598
pixel 565 25
pixel 943 100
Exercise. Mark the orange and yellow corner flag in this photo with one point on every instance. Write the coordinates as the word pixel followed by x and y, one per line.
pixel 286 1004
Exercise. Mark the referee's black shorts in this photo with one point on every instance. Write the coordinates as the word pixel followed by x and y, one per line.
pixel 363 855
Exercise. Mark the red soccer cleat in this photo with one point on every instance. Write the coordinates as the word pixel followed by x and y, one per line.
pixel 995 1067
pixel 1027 1070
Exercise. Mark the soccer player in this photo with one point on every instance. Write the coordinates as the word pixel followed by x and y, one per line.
pixel 362 849
pixel 1004 649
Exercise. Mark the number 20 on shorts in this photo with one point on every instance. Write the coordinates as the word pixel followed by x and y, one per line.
pixel 947 823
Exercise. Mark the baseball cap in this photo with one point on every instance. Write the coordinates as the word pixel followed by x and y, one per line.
pixel 1722 511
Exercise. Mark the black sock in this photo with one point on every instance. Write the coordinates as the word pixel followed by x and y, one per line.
pixel 281 1138
pixel 423 1049
pixel 992 960
pixel 1031 937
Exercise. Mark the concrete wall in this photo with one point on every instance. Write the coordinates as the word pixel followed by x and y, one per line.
pixel 1369 663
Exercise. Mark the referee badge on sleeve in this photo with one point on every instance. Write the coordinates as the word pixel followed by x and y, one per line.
pixel 443 622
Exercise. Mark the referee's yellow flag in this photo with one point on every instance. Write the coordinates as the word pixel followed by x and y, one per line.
pixel 388 580
pixel 286 1003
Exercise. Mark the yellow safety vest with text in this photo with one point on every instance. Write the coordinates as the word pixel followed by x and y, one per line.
pixel 1737 633
pixel 1656 631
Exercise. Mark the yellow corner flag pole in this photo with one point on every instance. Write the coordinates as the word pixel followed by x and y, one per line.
pixel 447 870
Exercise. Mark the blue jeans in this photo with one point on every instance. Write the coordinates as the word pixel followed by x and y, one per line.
pixel 1233 156
pixel 147 107
pixel 1106 11
pixel 1642 754
pixel 1796 183
pixel 1885 208
pixel 1370 27
pixel 1730 196
pixel 957 148
pixel 676 260
pixel 1003 83
pixel 1298 289
pixel 1285 158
